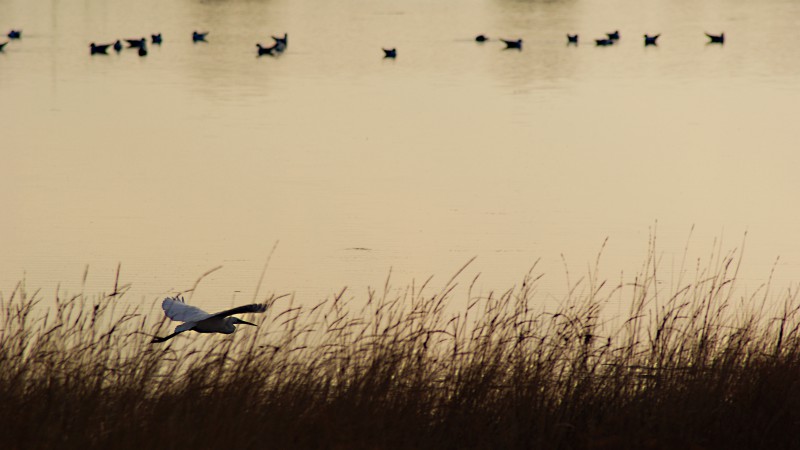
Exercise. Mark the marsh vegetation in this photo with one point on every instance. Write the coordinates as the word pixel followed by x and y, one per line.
pixel 693 364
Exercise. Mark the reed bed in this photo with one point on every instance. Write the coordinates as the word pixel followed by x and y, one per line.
pixel 694 364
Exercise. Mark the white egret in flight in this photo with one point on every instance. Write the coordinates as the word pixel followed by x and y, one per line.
pixel 196 319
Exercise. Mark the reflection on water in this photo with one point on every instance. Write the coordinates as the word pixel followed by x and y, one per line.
pixel 204 154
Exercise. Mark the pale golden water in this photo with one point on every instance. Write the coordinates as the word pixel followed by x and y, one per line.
pixel 201 155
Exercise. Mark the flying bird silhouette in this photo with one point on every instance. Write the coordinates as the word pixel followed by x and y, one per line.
pixel 196 319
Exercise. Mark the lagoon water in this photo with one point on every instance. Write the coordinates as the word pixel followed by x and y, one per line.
pixel 200 155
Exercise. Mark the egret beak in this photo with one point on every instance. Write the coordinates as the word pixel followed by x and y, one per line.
pixel 247 323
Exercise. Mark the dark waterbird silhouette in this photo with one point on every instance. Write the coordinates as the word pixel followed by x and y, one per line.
pixel 199 37
pixel 280 42
pixel 156 38
pixel 143 50
pixel 651 40
pixel 136 43
pixel 481 38
pixel 101 49
pixel 572 38
pixel 716 38
pixel 118 46
pixel 513 44
pixel 390 53
pixel 282 39
pixel 603 42
pixel 266 50
pixel 3 45
pixel 15 34
pixel 613 36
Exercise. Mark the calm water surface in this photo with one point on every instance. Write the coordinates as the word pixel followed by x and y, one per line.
pixel 201 155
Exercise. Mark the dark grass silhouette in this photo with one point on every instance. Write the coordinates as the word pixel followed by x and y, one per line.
pixel 694 365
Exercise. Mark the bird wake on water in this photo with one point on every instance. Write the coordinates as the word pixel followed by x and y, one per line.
pixel 196 319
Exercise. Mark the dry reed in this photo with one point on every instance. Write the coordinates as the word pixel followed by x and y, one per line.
pixel 693 365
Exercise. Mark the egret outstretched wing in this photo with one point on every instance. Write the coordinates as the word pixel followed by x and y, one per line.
pixel 176 309
pixel 253 308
